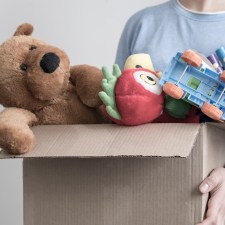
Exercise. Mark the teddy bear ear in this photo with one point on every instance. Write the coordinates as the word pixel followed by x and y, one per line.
pixel 24 29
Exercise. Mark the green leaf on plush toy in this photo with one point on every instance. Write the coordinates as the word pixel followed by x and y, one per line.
pixel 108 93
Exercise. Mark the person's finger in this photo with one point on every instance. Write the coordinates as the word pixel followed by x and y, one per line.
pixel 216 207
pixel 205 222
pixel 212 211
pixel 211 182
pixel 211 221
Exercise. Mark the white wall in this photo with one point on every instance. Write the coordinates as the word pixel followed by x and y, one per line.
pixel 88 30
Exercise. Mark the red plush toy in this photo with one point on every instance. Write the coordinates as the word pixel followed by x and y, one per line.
pixel 134 96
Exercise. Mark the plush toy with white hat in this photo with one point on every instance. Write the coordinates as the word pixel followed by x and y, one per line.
pixel 133 96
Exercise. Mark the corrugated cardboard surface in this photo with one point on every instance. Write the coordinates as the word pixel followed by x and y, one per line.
pixel 70 178
pixel 214 149
pixel 214 139
pixel 112 140
pixel 110 191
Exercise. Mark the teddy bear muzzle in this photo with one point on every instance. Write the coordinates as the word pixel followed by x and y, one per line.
pixel 47 72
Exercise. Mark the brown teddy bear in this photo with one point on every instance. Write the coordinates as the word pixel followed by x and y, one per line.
pixel 36 89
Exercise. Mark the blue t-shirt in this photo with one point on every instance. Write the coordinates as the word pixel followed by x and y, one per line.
pixel 163 30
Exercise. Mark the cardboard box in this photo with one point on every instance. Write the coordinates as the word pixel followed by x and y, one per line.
pixel 113 175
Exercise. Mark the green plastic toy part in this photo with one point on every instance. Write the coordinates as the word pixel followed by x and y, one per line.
pixel 108 93
pixel 177 108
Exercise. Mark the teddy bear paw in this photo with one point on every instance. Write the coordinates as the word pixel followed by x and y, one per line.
pixel 16 140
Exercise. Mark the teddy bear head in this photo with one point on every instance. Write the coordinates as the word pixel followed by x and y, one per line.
pixel 32 73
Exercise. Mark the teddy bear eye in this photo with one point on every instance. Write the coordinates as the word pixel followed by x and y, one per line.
pixel 23 67
pixel 32 47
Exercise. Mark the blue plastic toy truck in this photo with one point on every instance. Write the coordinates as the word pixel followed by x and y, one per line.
pixel 192 77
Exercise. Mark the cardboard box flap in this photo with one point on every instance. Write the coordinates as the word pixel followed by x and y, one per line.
pixel 218 125
pixel 166 140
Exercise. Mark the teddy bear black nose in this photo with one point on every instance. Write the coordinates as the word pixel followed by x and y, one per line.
pixel 50 62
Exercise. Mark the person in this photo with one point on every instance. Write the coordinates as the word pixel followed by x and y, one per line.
pixel 164 30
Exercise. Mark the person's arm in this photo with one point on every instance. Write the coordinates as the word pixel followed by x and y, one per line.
pixel 123 49
pixel 215 185
pixel 127 40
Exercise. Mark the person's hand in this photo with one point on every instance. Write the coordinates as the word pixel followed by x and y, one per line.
pixel 215 184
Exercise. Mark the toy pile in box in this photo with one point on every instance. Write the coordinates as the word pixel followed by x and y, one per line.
pixel 40 87
pixel 198 80
pixel 134 96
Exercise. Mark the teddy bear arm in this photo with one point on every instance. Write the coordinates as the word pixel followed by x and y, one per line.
pixel 87 80
pixel 15 133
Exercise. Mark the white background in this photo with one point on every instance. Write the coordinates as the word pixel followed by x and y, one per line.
pixel 87 30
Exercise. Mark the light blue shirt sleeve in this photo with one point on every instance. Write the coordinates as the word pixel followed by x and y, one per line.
pixel 129 37
pixel 126 42
pixel 123 50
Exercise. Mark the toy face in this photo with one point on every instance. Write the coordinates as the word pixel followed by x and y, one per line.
pixel 149 81
pixel 47 72
pixel 31 72
pixel 138 97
